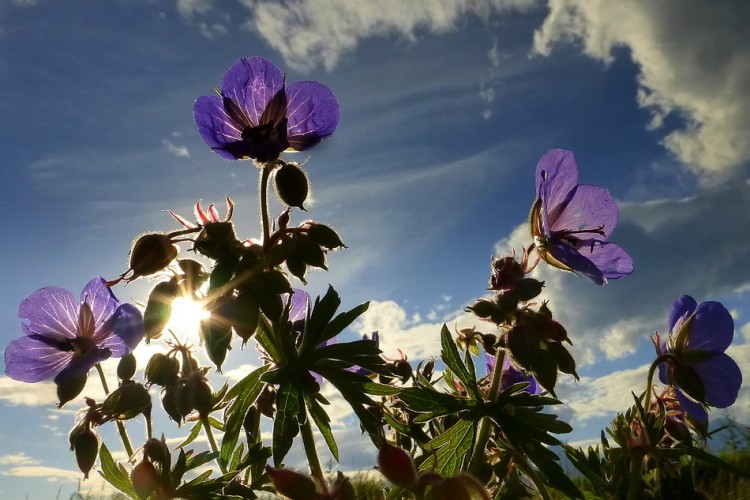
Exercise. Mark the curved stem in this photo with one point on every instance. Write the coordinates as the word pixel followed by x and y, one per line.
pixel 211 440
pixel 485 425
pixel 650 380
pixel 120 426
pixel 265 174
pixel 308 440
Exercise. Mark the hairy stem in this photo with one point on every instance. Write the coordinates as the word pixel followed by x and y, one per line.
pixel 265 174
pixel 485 425
pixel 308 440
pixel 120 426
pixel 211 440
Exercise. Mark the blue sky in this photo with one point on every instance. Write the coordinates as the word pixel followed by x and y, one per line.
pixel 446 107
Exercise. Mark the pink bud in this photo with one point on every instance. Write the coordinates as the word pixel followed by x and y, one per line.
pixel 397 466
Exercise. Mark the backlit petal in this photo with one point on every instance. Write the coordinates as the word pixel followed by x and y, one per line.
pixel 590 208
pixel 712 328
pixel 312 113
pixel 27 359
pixel 252 82
pixel 721 378
pixel 50 311
pixel 214 126
pixel 681 308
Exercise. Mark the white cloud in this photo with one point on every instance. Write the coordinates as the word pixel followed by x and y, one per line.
pixel 21 393
pixel 326 30
pixel 188 8
pixel 180 151
pixel 18 459
pixel 693 58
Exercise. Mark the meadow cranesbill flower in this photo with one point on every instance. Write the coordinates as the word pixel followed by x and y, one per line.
pixel 257 116
pixel 570 222
pixel 696 364
pixel 511 375
pixel 66 338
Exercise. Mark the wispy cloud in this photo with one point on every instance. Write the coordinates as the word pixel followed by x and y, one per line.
pixel 180 151
pixel 327 30
pixel 20 393
pixel 18 459
pixel 693 59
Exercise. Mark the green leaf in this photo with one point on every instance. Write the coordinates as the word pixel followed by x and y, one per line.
pixel 451 449
pixel 452 359
pixel 286 423
pixel 321 315
pixel 114 473
pixel 715 461
pixel 194 432
pixel 321 419
pixel 434 403
pixel 375 389
pixel 343 320
pixel 245 393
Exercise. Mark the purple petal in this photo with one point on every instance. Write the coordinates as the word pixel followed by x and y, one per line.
pixel 214 126
pixel 511 375
pixel 556 181
pixel 313 114
pixel 610 259
pixel 126 330
pixel 570 257
pixel 681 309
pixel 695 410
pixel 251 83
pixel 590 209
pixel 300 305
pixel 712 328
pixel 80 364
pixel 721 378
pixel 28 359
pixel 50 311
pixel 102 303
pixel 489 362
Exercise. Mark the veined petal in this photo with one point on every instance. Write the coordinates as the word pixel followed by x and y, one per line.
pixel 712 328
pixel 126 330
pixel 50 311
pixel 214 126
pixel 299 306
pixel 681 308
pixel 80 364
pixel 695 410
pixel 28 359
pixel 721 378
pixel 591 208
pixel 102 303
pixel 312 113
pixel 556 181
pixel 252 82
pixel 570 257
pixel 609 258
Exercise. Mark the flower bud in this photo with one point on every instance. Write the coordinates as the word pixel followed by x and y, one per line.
pixel 156 450
pixel 203 397
pixel 324 236
pixel 292 484
pixel 397 466
pixel 150 254
pixel 126 367
pixel 291 185
pixel 127 401
pixel 85 443
pixel 169 403
pixel 194 276
pixel 159 308
pixel 528 288
pixel 506 273
pixel 523 345
pixel 183 397
pixel 162 370
pixel 402 369
pixel 145 479
pixel 69 387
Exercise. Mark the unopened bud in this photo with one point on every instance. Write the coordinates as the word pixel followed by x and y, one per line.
pixel 528 288
pixel 506 273
pixel 127 401
pixel 169 403
pixel 69 387
pixel 291 483
pixel 162 370
pixel 126 367
pixel 85 443
pixel 150 254
pixel 397 466
pixel 159 308
pixel 156 450
pixel 292 185
pixel 145 479
pixel 325 236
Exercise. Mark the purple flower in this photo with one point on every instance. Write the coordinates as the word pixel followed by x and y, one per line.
pixel 257 116
pixel 571 222
pixel 66 338
pixel 511 375
pixel 698 336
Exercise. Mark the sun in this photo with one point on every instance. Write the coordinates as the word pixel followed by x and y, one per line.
pixel 186 317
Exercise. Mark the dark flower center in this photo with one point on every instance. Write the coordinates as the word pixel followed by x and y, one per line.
pixel 266 132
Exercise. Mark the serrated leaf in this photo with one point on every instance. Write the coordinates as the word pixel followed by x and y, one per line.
pixel 343 320
pixel 375 389
pixel 452 359
pixel 194 432
pixel 435 403
pixel 321 419
pixel 286 422
pixel 245 393
pixel 114 473
pixel 451 449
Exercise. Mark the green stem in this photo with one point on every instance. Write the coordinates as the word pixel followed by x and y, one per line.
pixel 120 426
pixel 211 440
pixel 634 481
pixel 532 473
pixel 650 381
pixel 265 174
pixel 308 440
pixel 485 425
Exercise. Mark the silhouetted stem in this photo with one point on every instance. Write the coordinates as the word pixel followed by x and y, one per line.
pixel 308 440
pixel 211 440
pixel 265 174
pixel 120 426
pixel 485 425
pixel 634 482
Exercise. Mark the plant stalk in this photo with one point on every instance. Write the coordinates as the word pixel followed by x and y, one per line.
pixel 308 440
pixel 120 426
pixel 485 425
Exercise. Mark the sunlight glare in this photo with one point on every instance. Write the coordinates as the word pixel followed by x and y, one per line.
pixel 186 317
